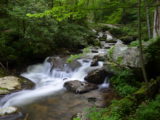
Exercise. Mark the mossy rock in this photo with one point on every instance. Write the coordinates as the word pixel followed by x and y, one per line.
pixel 3 91
pixel 26 83
pixel 11 84
pixel 113 68
pixel 148 90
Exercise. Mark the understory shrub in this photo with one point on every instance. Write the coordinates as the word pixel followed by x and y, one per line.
pixel 125 82
pixel 118 110
pixel 153 57
pixel 149 110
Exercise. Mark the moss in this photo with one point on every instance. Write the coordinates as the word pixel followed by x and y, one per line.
pixel 25 83
pixel 77 56
pixel 3 91
pixel 134 44
pixel 148 90
pixel 3 88
pixel 148 110
pixel 110 52
pixel 119 60
pixel 112 67
pixel 76 119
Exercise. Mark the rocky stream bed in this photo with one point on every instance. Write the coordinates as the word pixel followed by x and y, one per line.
pixel 61 90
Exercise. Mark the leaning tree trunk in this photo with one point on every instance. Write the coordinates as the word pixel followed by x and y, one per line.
pixel 156 27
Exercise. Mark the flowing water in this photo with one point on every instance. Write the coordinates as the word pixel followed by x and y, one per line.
pixel 49 96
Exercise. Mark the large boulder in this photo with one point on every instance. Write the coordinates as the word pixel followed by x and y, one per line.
pixel 125 56
pixel 60 63
pixel 97 76
pixel 8 84
pixel 79 87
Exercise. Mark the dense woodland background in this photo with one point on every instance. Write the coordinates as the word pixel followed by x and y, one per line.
pixel 31 30
pixel 38 28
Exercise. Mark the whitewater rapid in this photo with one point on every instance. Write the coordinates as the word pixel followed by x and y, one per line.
pixel 47 81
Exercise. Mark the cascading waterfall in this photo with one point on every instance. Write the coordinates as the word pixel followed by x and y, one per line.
pixel 47 81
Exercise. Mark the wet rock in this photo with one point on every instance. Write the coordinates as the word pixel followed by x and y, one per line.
pixel 109 37
pixel 79 87
pixel 100 57
pixel 10 113
pixel 26 83
pixel 96 59
pixel 94 62
pixel 8 110
pixel 106 46
pixel 8 84
pixel 81 116
pixel 100 34
pixel 15 116
pixel 56 62
pixel 86 61
pixel 94 51
pixel 92 99
pixel 74 65
pixel 3 91
pixel 60 63
pixel 97 76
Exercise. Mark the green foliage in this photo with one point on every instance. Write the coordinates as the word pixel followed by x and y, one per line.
pixel 119 60
pixel 74 57
pixel 115 17
pixel 96 114
pixel 76 119
pixel 77 56
pixel 148 110
pixel 124 82
pixel 122 107
pixel 118 110
pixel 153 57
pixel 22 37
pixel 61 13
pixel 110 51
pixel 134 44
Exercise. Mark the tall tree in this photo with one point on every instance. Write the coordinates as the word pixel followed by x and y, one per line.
pixel 156 27
pixel 140 43
pixel 148 19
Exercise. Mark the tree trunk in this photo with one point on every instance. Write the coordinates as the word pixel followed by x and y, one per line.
pixel 148 19
pixel 52 3
pixel 156 27
pixel 124 12
pixel 140 43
